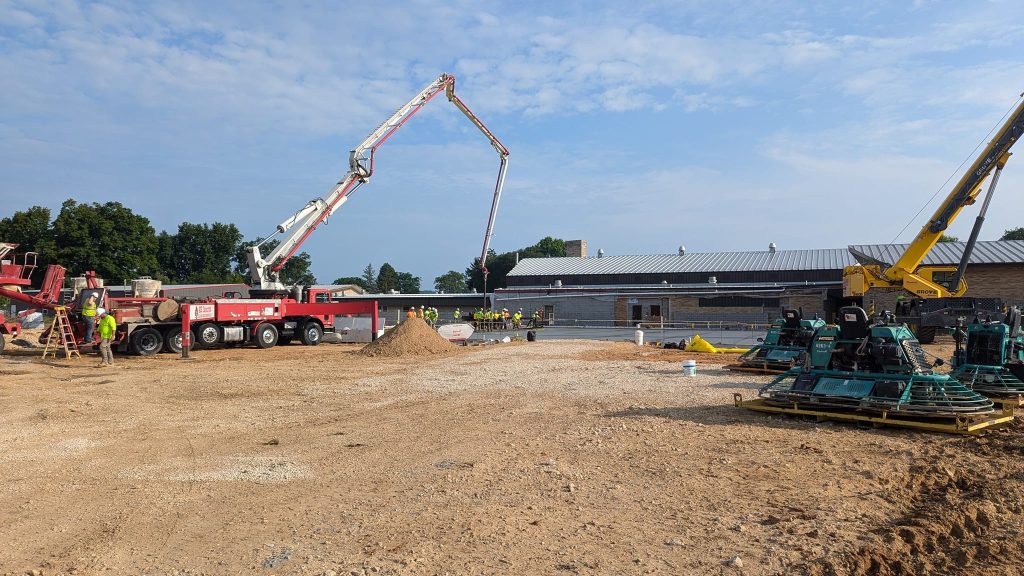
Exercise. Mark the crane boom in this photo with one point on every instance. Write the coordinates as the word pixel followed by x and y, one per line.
pixel 907 272
pixel 265 270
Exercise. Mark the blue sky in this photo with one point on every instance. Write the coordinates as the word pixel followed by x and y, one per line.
pixel 636 126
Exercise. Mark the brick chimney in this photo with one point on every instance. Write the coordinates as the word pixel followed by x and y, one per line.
pixel 576 248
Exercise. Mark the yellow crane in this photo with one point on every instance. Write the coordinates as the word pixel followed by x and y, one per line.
pixel 939 281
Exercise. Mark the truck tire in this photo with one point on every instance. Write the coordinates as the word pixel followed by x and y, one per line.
pixel 172 340
pixel 265 336
pixel 207 335
pixel 147 341
pixel 312 333
pixel 926 334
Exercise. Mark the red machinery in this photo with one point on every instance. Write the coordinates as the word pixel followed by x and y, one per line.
pixel 276 313
pixel 146 325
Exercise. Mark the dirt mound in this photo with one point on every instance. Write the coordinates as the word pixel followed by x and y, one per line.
pixel 413 337
pixel 957 521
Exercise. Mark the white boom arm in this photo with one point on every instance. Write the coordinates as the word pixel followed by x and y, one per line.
pixel 265 271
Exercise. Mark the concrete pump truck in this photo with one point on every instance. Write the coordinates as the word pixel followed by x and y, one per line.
pixel 274 313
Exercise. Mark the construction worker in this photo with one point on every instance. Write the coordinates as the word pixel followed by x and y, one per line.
pixel 430 315
pixel 478 317
pixel 89 315
pixel 457 315
pixel 411 313
pixel 535 319
pixel 419 313
pixel 505 317
pixel 108 326
pixel 517 319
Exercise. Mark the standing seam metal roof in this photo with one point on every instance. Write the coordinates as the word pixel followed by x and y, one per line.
pixel 944 253
pixel 949 253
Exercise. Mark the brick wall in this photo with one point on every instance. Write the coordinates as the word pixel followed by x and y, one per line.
pixel 992 281
pixel 1005 281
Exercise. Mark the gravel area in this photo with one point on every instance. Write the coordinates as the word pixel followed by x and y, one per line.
pixel 550 457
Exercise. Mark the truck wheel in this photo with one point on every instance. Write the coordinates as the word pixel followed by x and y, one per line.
pixel 206 335
pixel 147 341
pixel 172 340
pixel 312 333
pixel 266 336
pixel 926 334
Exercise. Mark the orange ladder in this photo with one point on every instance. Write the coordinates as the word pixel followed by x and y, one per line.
pixel 61 336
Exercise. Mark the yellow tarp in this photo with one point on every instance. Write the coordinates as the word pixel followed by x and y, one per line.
pixel 699 344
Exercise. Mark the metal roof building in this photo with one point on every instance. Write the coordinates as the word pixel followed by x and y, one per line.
pixel 784 266
pixel 748 286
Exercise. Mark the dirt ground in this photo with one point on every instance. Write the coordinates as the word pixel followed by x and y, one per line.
pixel 549 457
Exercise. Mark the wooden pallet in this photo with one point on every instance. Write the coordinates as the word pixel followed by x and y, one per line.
pixel 754 369
pixel 963 425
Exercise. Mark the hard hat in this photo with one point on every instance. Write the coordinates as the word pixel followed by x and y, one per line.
pixel 95 294
pixel 101 311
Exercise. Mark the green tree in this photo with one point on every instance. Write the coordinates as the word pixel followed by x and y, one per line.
pixel 165 257
pixel 499 265
pixel 200 253
pixel 547 248
pixel 31 231
pixel 408 284
pixel 451 282
pixel 108 238
pixel 356 280
pixel 948 238
pixel 296 271
pixel 370 277
pixel 1013 234
pixel 387 279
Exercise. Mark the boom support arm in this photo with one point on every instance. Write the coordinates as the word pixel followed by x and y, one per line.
pixel 265 270
pixel 907 272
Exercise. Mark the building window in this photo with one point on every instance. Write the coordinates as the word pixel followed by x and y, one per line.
pixel 656 310
pixel 638 312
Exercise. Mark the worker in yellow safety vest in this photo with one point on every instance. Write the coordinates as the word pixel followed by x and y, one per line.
pixel 108 326
pixel 419 313
pixel 517 319
pixel 457 315
pixel 89 315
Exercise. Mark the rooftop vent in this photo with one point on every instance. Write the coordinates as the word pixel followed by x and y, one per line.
pixel 682 250
pixel 771 247
pixel 712 280
pixel 600 253
pixel 558 283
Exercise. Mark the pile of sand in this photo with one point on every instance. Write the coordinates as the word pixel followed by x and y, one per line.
pixel 413 337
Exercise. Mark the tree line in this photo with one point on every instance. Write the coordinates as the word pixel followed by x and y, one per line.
pixel 121 245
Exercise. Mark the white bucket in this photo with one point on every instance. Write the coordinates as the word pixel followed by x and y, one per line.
pixel 638 337
pixel 689 367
